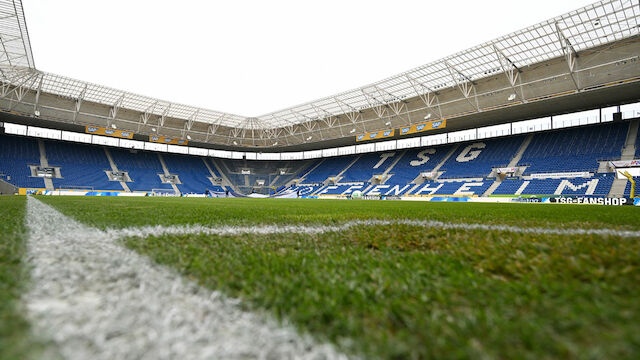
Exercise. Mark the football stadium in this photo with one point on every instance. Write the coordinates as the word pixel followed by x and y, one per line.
pixel 481 206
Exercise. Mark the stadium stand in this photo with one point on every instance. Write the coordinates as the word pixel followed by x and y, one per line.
pixel 81 166
pixel 627 189
pixel 577 149
pixel 192 172
pixel 328 167
pixel 463 168
pixel 638 146
pixel 16 154
pixel 268 172
pixel 415 161
pixel 457 187
pixel 341 189
pixel 368 165
pixel 477 159
pixel 599 184
pixel 143 168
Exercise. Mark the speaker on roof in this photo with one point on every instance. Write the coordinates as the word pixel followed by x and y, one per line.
pixel 617 116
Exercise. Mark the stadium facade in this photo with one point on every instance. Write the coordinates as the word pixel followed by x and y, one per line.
pixel 548 110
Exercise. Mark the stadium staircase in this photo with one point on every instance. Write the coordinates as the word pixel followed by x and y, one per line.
pixel 167 173
pixel 513 163
pixel 7 188
pixel 620 187
pixel 348 167
pixel 303 177
pixel 44 162
pixel 225 179
pixel 114 167
pixel 213 175
pixel 385 174
pixel 629 151
pixel 446 158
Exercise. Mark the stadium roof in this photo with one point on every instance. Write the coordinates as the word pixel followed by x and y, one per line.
pixel 15 48
pixel 597 24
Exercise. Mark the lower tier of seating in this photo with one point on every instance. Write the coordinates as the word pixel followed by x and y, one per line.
pixel 599 184
pixel 596 185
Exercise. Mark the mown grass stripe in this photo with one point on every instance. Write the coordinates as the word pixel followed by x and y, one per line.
pixel 159 230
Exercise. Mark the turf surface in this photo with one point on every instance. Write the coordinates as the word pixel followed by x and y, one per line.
pixel 15 341
pixel 114 212
pixel 401 292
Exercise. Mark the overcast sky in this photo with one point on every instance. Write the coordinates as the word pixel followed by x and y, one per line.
pixel 255 57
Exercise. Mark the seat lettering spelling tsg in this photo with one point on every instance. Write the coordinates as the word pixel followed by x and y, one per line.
pixel 471 152
pixel 422 155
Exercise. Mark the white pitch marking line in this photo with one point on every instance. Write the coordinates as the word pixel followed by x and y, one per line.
pixel 160 230
pixel 95 299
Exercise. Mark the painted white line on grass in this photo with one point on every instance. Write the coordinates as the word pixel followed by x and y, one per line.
pixel 319 229
pixel 98 300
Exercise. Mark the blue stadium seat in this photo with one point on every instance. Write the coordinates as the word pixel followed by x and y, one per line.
pixel 627 189
pixel 477 159
pixel 81 166
pixel 577 149
pixel 329 167
pixel 16 154
pixel 368 165
pixel 191 170
pixel 571 186
pixel 143 168
pixel 416 161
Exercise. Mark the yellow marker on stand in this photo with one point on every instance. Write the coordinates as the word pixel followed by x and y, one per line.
pixel 633 183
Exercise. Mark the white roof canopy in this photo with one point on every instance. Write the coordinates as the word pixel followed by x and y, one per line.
pixel 593 25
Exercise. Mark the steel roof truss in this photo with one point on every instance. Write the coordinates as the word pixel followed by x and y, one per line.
pixel 464 84
pixel 511 71
pixel 570 54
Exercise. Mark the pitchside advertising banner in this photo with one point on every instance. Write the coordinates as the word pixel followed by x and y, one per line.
pixel 425 126
pixel 619 201
pixel 376 135
pixel 96 130
pixel 166 140
pixel 596 201
pixel 625 163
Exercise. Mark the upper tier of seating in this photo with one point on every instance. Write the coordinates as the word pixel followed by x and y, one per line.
pixel 577 149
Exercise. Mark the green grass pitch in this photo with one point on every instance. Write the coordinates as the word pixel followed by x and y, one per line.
pixel 396 291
